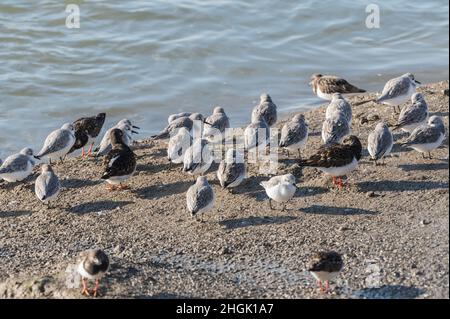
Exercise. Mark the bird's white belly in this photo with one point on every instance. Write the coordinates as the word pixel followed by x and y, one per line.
pixel 60 154
pixel 84 274
pixel 411 127
pixel 18 176
pixel 428 146
pixel 281 193
pixel 340 171
pixel 325 96
pixel 118 179
pixel 324 275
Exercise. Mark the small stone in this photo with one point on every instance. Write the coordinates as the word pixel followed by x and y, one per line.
pixel 226 251
pixel 425 222
pixel 371 194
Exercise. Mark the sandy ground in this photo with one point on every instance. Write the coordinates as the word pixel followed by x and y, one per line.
pixel 391 226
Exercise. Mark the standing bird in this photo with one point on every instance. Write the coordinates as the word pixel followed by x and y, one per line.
pixel 86 131
pixel 427 138
pixel 294 134
pixel 217 122
pixel 398 90
pixel 173 117
pixel 324 86
pixel 339 105
pixel 380 142
pixel 120 163
pixel 105 145
pixel 336 160
pixel 58 143
pixel 280 189
pixel 413 115
pixel 335 129
pixel 325 266
pixel 200 197
pixel 198 158
pixel 178 145
pixel 266 109
pixel 175 125
pixel 232 170
pixel 93 265
pixel 18 166
pixel 47 185
pixel 257 134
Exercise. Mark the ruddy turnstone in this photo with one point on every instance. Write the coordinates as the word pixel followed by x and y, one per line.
pixel 398 90
pixel 18 166
pixel 120 163
pixel 336 160
pixel 335 129
pixel 200 197
pixel 178 145
pixel 280 189
pixel 93 265
pixel 266 109
pixel 294 134
pixel 198 158
pixel 339 105
pixel 324 86
pixel 47 185
pixel 427 138
pixel 175 125
pixel 105 144
pixel 325 266
pixel 86 131
pixel 232 170
pixel 414 115
pixel 217 122
pixel 58 143
pixel 380 142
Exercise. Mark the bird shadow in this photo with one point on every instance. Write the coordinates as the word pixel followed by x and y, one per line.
pixel 332 210
pixel 255 221
pixel 392 186
pixel 390 292
pixel 76 183
pixel 93 207
pixel 156 168
pixel 17 213
pixel 160 191
pixel 441 114
pixel 424 167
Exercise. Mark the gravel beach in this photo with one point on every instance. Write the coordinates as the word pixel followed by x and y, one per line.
pixel 391 226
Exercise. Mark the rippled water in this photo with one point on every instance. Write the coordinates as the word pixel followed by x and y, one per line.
pixel 147 59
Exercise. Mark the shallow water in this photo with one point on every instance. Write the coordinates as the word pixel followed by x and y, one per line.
pixel 147 59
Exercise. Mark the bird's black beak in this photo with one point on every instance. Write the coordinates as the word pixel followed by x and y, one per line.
pixel 417 82
pixel 134 132
pixel 136 127
pixel 207 123
pixel 38 158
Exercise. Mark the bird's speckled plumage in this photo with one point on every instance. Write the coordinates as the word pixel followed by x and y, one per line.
pixel 414 115
pixel 266 109
pixel 47 184
pixel 18 166
pixel 324 86
pixel 58 143
pixel 200 197
pixel 339 105
pixel 335 129
pixel 86 130
pixel 380 141
pixel 231 170
pixel 398 90
pixel 294 134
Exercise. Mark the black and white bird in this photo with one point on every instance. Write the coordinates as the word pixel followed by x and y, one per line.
pixel 294 134
pixel 47 185
pixel 232 170
pixel 198 158
pixel 175 125
pixel 120 163
pixel 87 130
pixel 335 129
pixel 58 143
pixel 380 142
pixel 18 166
pixel 178 145
pixel 216 125
pixel 281 189
pixel 200 197
pixel 414 115
pixel 93 265
pixel 325 266
pixel 427 138
pixel 336 160
pixel 339 105
pixel 266 109
pixel 398 90
pixel 128 130
pixel 324 86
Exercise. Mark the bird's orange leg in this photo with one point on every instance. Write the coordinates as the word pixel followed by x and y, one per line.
pixel 124 187
pixel 110 187
pixel 83 154
pixel 327 285
pixel 95 291
pixel 90 149
pixel 85 290
pixel 340 184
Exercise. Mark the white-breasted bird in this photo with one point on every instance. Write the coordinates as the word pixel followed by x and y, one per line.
pixel 47 185
pixel 58 143
pixel 18 166
pixel 281 189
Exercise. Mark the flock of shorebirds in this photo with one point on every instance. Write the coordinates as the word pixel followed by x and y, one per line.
pixel 337 157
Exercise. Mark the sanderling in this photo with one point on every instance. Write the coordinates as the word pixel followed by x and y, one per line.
pixel 336 160
pixel 232 170
pixel 427 138
pixel 58 143
pixel 198 158
pixel 398 90
pixel 324 86
pixel 178 145
pixel 325 266
pixel 266 109
pixel 200 197
pixel 380 142
pixel 18 166
pixel 339 105
pixel 414 115
pixel 173 117
pixel 47 185
pixel 294 134
pixel 93 265
pixel 217 122
pixel 128 131
pixel 280 189
pixel 120 163
pixel 335 129
pixel 86 131
pixel 257 134
pixel 175 125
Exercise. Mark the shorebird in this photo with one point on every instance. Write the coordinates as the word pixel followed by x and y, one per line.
pixel 173 117
pixel 335 129
pixel 266 109
pixel 427 138
pixel 200 197
pixel 232 170
pixel 47 185
pixel 280 189
pixel 325 266
pixel 18 166
pixel 336 160
pixel 217 122
pixel 93 265
pixel 175 125
pixel 120 163
pixel 398 90
pixel 324 86
pixel 339 105
pixel 128 130
pixel 380 142
pixel 198 158
pixel 86 131
pixel 178 145
pixel 257 134
pixel 414 115
pixel 58 143
pixel 294 134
